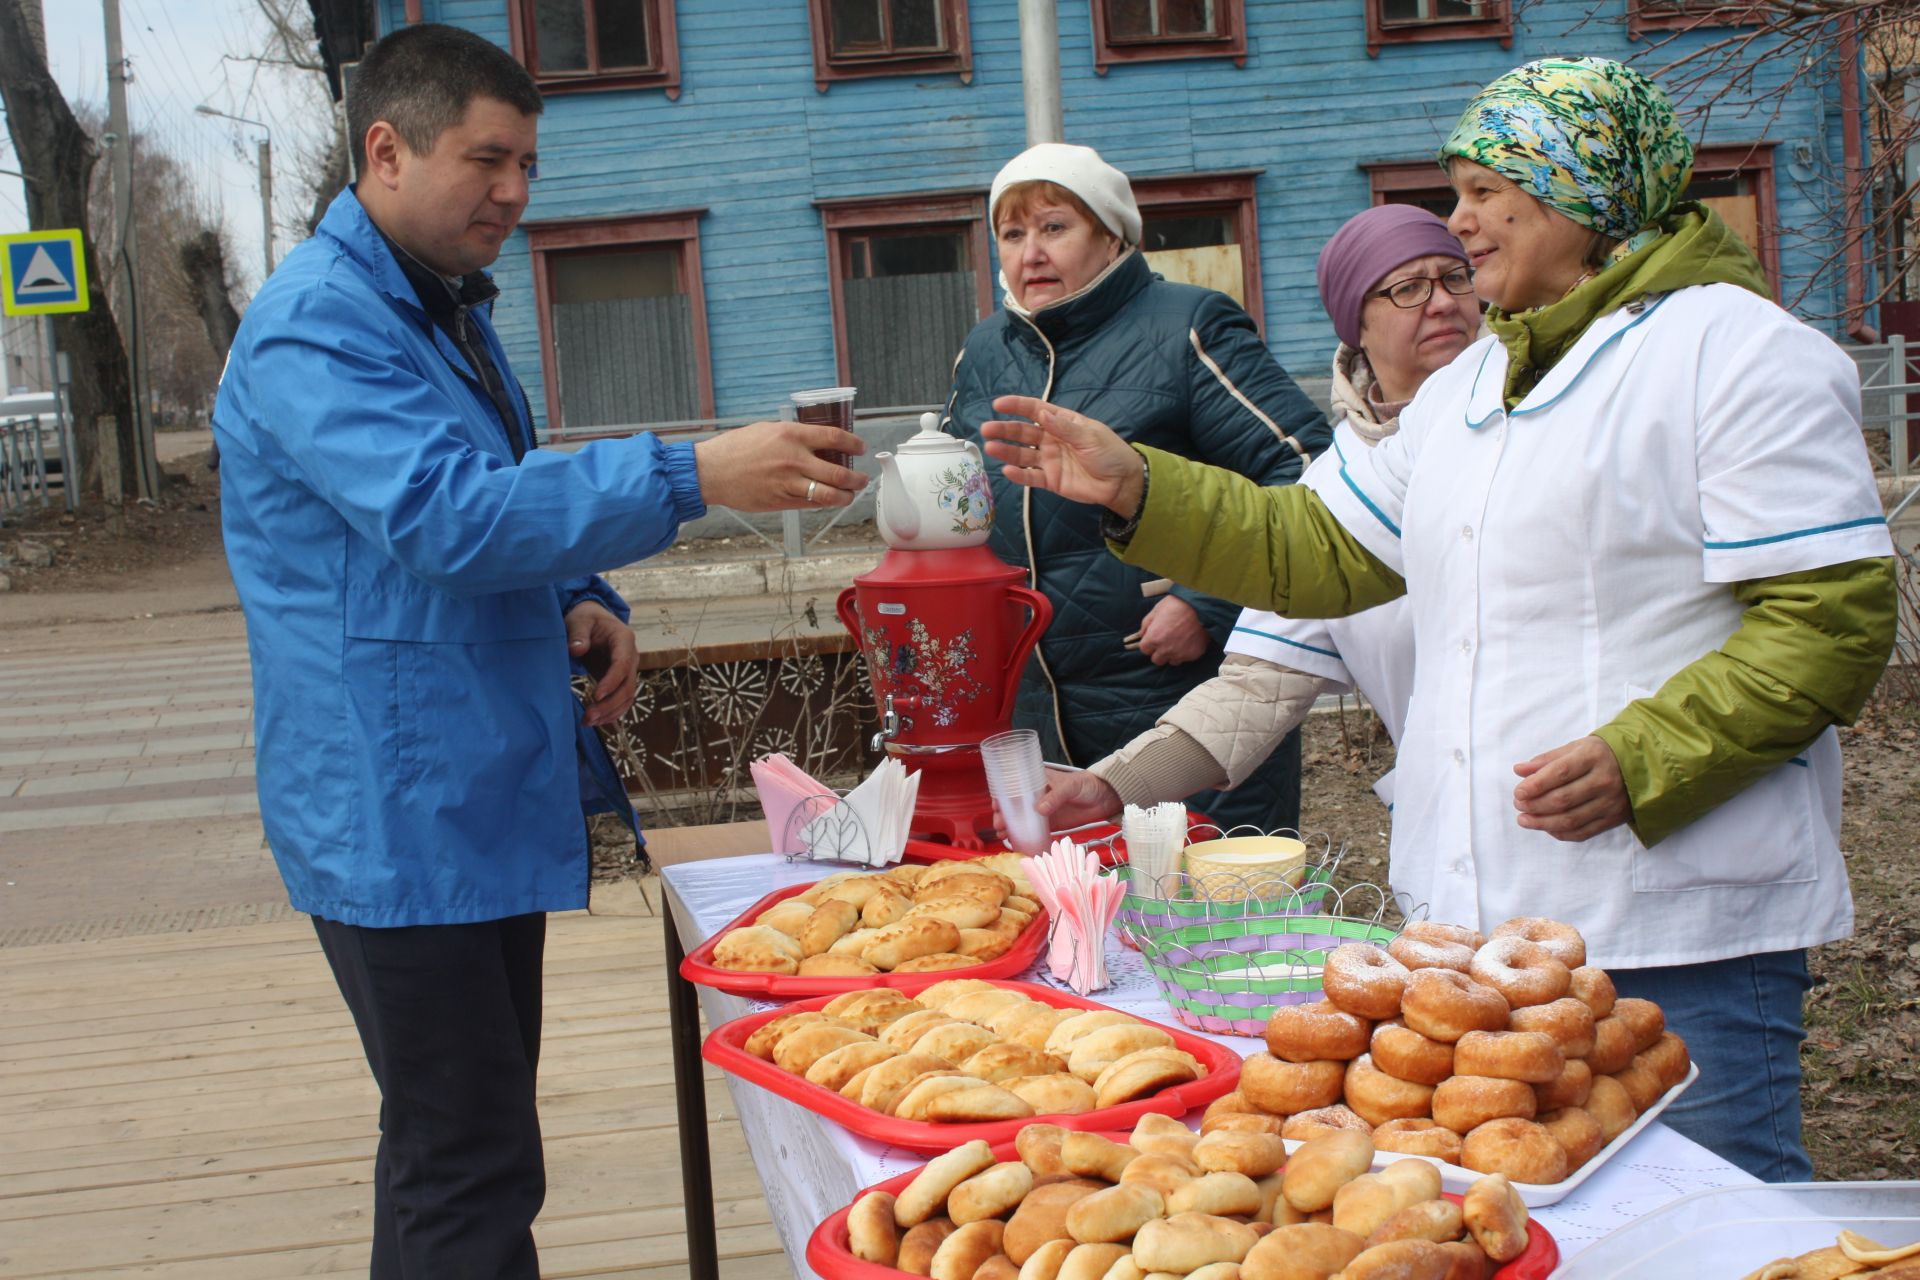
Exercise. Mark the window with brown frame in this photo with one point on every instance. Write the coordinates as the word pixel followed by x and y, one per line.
pixel 623 321
pixel 1685 15
pixel 1733 179
pixel 573 46
pixel 1418 21
pixel 910 278
pixel 1204 229
pixel 853 39
pixel 1160 30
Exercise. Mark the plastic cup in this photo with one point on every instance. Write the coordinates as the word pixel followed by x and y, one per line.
pixel 832 406
pixel 1016 777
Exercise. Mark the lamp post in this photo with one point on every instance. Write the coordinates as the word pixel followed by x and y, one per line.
pixel 266 174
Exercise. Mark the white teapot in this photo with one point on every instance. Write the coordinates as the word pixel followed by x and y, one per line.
pixel 934 494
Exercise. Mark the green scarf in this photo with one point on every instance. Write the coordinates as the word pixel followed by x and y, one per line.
pixel 1695 247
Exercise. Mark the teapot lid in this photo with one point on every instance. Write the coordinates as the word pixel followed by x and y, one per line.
pixel 930 438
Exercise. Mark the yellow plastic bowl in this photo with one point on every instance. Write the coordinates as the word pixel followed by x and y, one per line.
pixel 1240 867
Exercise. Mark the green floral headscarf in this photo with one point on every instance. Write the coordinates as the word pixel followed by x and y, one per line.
pixel 1589 137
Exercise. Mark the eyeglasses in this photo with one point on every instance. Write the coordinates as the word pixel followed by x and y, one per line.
pixel 1415 290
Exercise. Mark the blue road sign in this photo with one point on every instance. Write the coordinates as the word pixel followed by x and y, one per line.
pixel 45 273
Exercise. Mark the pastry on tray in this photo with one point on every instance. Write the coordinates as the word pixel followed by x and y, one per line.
pixel 966 1051
pixel 907 919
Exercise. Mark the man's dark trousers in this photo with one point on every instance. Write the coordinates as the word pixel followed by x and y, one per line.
pixel 449 1016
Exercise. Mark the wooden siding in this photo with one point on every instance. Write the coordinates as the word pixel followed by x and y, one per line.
pixel 753 140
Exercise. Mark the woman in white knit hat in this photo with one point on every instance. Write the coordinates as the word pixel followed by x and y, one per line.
pixel 1086 323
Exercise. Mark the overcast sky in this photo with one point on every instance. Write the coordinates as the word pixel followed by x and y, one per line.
pixel 182 54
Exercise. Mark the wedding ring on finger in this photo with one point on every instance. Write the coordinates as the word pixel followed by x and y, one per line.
pixel 811 486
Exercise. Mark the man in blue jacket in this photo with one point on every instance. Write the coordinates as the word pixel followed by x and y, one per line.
pixel 417 580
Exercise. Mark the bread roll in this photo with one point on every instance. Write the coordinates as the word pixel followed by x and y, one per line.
pixel 1100 1049
pixel 990 1193
pixel 1058 1094
pixel 1254 1154
pixel 979 1104
pixel 1045 1262
pixel 869 1010
pixel 885 1083
pixel 1187 1241
pixel 954 1041
pixel 1496 1216
pixel 1031 1027
pixel 1039 1146
pixel 961 912
pixel 1319 1167
pixel 872 1234
pixel 788 917
pixel 843 1064
pixel 1000 1062
pixel 767 1035
pixel 1084 1022
pixel 801 1048
pixel 1164 1173
pixel 936 962
pixel 906 940
pixel 828 923
pixel 1088 1155
pixel 1144 1072
pixel 915 1102
pixel 901 1033
pixel 998 1267
pixel 939 994
pixel 966 1250
pixel 1436 1221
pixel 757 949
pixel 1218 1194
pixel 884 907
pixel 1306 1251
pixel 828 965
pixel 1114 1214
pixel 852 944
pixel 983 944
pixel 1400 1260
pixel 1042 1216
pixel 918 1246
pixel 1090 1261
pixel 923 1197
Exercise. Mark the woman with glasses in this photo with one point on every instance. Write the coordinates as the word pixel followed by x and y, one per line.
pixel 1648 571
pixel 1397 287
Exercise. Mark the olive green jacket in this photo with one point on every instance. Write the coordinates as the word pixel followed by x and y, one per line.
pixel 1809 649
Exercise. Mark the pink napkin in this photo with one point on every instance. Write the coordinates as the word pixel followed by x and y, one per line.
pixel 790 798
pixel 1083 904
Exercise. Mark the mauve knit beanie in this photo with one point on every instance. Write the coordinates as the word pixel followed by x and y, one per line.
pixel 1370 244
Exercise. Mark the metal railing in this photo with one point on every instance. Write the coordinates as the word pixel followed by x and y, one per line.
pixel 1887 387
pixel 27 447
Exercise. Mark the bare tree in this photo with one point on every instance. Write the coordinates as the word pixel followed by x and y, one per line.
pixel 203 266
pixel 288 43
pixel 57 158
pixel 1752 59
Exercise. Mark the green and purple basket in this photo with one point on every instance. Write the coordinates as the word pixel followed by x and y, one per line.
pixel 1223 967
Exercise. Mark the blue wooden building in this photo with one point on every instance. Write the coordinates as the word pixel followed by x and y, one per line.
pixel 740 198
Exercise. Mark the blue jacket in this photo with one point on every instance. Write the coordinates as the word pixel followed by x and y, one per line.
pixel 1169 365
pixel 421 757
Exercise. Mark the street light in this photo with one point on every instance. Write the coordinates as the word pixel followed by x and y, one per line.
pixel 266 174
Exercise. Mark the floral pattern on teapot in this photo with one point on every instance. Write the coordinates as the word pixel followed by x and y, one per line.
pixel 966 497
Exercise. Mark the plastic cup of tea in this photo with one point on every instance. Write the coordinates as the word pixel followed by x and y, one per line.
pixel 832 406
pixel 1016 777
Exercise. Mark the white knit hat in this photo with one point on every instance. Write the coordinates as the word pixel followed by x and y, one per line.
pixel 1080 170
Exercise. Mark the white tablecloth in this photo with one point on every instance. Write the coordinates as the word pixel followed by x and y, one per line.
pixel 811 1167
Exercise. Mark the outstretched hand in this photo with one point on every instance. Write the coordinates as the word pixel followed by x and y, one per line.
pixel 775 466
pixel 1573 792
pixel 1075 798
pixel 1067 453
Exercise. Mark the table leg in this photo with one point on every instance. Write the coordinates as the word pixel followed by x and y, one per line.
pixel 690 1098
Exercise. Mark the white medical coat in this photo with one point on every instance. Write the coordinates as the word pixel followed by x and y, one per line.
pixel 1568 557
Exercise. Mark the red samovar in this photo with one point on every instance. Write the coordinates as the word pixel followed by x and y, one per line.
pixel 946 628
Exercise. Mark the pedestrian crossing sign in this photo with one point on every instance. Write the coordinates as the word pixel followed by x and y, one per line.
pixel 44 273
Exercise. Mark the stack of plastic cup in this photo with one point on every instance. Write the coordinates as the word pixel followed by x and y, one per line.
pixel 1016 776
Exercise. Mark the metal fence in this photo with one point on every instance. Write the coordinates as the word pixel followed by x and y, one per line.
pixel 31 464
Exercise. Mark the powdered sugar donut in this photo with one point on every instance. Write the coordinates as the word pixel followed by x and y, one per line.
pixel 1429 931
pixel 1405 1054
pixel 1311 1124
pixel 1567 1020
pixel 1531 1056
pixel 1562 941
pixel 1378 1097
pixel 1522 971
pixel 1364 980
pixel 1312 1032
pixel 1592 987
pixel 1418 1137
pixel 1443 1005
pixel 1287 1088
pixel 1418 953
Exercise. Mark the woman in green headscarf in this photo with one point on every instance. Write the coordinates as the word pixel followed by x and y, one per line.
pixel 1648 572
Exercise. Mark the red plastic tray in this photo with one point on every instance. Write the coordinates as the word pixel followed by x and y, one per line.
pixel 1113 850
pixel 725 1048
pixel 830 1255
pixel 698 965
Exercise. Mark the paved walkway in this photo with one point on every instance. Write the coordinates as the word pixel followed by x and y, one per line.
pixel 186 1094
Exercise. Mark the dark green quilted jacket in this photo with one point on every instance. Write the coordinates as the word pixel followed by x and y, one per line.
pixel 1169 365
